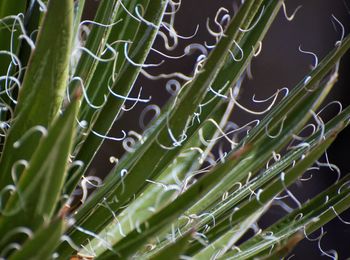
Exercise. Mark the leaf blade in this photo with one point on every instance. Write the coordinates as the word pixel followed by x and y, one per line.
pixel 39 186
pixel 43 242
pixel 45 77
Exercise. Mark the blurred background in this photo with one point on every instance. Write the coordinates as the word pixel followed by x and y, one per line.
pixel 280 64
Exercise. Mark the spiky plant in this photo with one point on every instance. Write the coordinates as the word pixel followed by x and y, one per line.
pixel 64 83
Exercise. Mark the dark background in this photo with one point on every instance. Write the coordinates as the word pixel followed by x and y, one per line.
pixel 279 65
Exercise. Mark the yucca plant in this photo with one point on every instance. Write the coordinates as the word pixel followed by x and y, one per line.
pixel 65 81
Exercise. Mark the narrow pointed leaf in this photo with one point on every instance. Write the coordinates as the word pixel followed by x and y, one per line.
pixel 125 30
pixel 287 124
pixel 169 213
pixel 226 241
pixel 146 153
pixel 96 42
pixel 9 8
pixel 267 194
pixel 43 242
pixel 43 87
pixel 285 248
pixel 314 214
pixel 39 187
pixel 106 116
pixel 79 8
pixel 166 187
pixel 221 209
pixel 174 250
pixel 151 154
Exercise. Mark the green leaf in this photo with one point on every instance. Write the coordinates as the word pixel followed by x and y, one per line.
pixel 32 18
pixel 266 194
pixel 105 18
pixel 174 250
pixel 278 130
pixel 79 8
pixel 43 242
pixel 39 187
pixel 163 218
pixel 106 116
pixel 311 216
pixel 302 88
pixel 220 211
pixel 226 241
pixel 43 87
pixel 9 8
pixel 230 73
pixel 164 190
pixel 11 28
pixel 285 248
pixel 149 153
pixel 124 31
pixel 244 156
